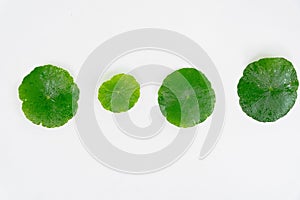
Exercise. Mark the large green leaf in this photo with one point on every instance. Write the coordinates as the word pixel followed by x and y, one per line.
pixel 186 97
pixel 49 96
pixel 120 93
pixel 268 89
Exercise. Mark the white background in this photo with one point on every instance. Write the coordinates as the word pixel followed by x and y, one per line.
pixel 251 161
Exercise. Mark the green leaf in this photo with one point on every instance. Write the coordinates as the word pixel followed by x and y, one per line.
pixel 120 93
pixel 49 96
pixel 268 89
pixel 186 97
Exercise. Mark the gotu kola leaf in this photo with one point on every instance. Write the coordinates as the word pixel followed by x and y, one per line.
pixel 186 97
pixel 120 93
pixel 268 89
pixel 49 96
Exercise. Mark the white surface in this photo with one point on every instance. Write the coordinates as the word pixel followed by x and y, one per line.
pixel 251 161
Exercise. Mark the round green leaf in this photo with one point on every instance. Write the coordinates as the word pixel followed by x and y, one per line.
pixel 268 89
pixel 120 93
pixel 186 97
pixel 49 96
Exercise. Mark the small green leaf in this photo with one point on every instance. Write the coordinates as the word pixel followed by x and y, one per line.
pixel 268 89
pixel 120 93
pixel 186 97
pixel 49 96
